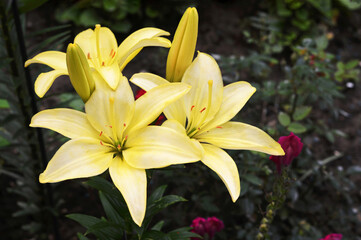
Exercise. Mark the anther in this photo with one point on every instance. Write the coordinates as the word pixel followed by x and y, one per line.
pixel 124 124
pixel 110 126
pixel 192 107
pixel 118 147
pixel 101 132
pixel 103 63
pixel 89 56
pixel 202 110
pixel 101 143
pixel 111 52
pixel 219 127
pixel 126 137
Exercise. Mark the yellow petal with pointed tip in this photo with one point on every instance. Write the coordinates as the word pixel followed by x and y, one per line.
pixel 148 81
pixel 44 81
pixel 78 158
pixel 184 43
pixel 220 162
pixel 87 42
pixel 235 96
pixel 152 103
pixel 53 59
pixel 204 99
pixel 157 147
pixel 111 75
pixel 132 183
pixel 107 43
pixel 126 56
pixel 241 136
pixel 110 111
pixel 175 125
pixel 126 49
pixel 68 122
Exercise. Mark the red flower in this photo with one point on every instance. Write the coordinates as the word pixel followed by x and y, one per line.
pixel 207 226
pixel 140 93
pixel 332 236
pixel 292 146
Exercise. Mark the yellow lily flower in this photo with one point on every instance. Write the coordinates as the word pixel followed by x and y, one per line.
pixel 102 52
pixel 113 134
pixel 208 108
pixel 181 52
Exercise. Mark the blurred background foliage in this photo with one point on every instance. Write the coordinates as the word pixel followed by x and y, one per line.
pixel 303 56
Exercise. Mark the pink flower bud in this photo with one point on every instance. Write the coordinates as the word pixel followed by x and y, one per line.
pixel 292 147
pixel 207 226
pixel 332 236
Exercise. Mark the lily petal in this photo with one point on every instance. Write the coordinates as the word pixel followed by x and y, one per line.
pixel 235 96
pixel 44 81
pixel 111 75
pixel 87 42
pixel 152 103
pixel 175 125
pixel 241 136
pixel 107 43
pixel 157 147
pixel 53 59
pixel 77 158
pixel 204 99
pixel 130 53
pixel 132 183
pixel 68 122
pixel 134 39
pixel 148 81
pixel 220 162
pixel 110 111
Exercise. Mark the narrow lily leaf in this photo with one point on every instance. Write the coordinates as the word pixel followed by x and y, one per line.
pixel 162 203
pixel 110 211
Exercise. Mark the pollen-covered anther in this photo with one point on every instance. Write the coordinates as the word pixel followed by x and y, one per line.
pixel 192 107
pixel 202 109
pixel 103 63
pixel 124 124
pixel 101 143
pixel 119 147
pixel 100 134
pixel 126 137
pixel 111 52
pixel 89 56
pixel 219 127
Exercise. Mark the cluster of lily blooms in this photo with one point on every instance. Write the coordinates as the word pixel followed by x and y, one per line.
pixel 114 132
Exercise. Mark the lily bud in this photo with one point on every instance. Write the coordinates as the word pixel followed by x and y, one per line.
pixel 79 72
pixel 181 53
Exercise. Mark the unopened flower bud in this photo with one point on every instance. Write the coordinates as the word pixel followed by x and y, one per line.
pixel 292 147
pixel 79 72
pixel 183 46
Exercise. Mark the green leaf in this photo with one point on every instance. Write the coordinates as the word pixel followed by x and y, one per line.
pixel 352 64
pixel 106 230
pixel 253 179
pixel 350 4
pixel 110 211
pixel 284 119
pixel 163 203
pixel 157 194
pixel 321 42
pixel 182 234
pixel 301 112
pixel 324 6
pixel 4 103
pixel 158 226
pixel 28 5
pixel 84 220
pixel 154 234
pixel 296 128
pixel 4 142
pixel 82 237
